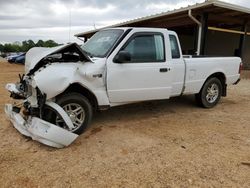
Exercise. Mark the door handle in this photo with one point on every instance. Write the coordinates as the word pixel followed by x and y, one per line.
pixel 164 69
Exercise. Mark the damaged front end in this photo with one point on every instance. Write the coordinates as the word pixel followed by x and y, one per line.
pixel 29 116
pixel 29 119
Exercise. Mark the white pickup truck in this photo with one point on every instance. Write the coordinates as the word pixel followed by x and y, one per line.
pixel 63 86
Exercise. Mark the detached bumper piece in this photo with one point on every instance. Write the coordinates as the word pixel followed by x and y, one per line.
pixel 40 130
pixel 237 82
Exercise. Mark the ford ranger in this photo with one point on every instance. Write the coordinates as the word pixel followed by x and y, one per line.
pixel 64 85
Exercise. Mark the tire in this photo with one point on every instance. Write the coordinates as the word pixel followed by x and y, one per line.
pixel 70 102
pixel 210 93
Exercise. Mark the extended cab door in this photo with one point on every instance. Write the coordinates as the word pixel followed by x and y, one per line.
pixel 178 65
pixel 147 75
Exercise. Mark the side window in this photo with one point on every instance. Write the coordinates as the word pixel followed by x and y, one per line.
pixel 146 48
pixel 174 47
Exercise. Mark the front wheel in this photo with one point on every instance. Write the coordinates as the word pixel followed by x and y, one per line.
pixel 210 93
pixel 78 109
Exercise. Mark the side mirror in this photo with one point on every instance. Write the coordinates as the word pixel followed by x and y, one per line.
pixel 122 57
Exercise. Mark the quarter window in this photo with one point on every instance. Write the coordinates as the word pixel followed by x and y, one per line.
pixel 146 48
pixel 174 47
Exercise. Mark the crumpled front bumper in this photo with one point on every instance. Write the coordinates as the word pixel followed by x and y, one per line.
pixel 40 130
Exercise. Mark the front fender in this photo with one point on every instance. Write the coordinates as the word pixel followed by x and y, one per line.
pixel 53 80
pixel 56 78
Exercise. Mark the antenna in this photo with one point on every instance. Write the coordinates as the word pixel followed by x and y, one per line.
pixel 69 25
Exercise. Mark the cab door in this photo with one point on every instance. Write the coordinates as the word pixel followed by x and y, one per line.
pixel 146 75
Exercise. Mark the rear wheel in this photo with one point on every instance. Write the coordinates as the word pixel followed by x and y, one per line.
pixel 210 93
pixel 78 109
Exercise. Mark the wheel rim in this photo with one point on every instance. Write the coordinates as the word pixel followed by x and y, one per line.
pixel 76 113
pixel 212 93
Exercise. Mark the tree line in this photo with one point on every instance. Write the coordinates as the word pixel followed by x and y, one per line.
pixel 25 45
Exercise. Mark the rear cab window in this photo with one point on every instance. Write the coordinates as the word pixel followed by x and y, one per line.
pixel 175 50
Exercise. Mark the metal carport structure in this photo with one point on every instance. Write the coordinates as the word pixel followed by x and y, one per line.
pixel 209 28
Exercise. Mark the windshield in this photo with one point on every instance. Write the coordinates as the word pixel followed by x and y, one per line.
pixel 100 44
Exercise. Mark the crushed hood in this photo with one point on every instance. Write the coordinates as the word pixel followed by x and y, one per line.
pixel 35 55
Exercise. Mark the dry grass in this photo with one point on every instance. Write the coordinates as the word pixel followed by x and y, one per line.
pixel 169 143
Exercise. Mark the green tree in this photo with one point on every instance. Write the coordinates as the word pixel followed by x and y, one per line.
pixel 26 45
pixel 15 48
pixel 40 43
pixel 50 43
pixel 1 48
pixel 8 48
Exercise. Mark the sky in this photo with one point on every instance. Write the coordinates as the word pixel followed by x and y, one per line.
pixel 59 20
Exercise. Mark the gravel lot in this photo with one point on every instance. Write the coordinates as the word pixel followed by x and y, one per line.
pixel 170 143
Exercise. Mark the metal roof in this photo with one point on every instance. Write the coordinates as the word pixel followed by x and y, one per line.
pixel 206 4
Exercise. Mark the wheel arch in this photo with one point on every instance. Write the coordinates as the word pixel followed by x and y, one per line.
pixel 221 76
pixel 78 88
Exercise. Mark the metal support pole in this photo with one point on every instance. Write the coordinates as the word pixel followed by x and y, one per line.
pixel 242 40
pixel 204 33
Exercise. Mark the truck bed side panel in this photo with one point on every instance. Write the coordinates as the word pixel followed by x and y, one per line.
pixel 199 69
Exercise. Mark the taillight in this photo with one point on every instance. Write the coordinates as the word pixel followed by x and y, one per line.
pixel 240 68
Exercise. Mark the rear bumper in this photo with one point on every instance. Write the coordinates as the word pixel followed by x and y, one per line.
pixel 40 130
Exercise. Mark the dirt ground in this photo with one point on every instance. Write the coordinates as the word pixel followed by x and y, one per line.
pixel 170 143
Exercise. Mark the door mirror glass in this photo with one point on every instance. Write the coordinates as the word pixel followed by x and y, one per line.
pixel 122 57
